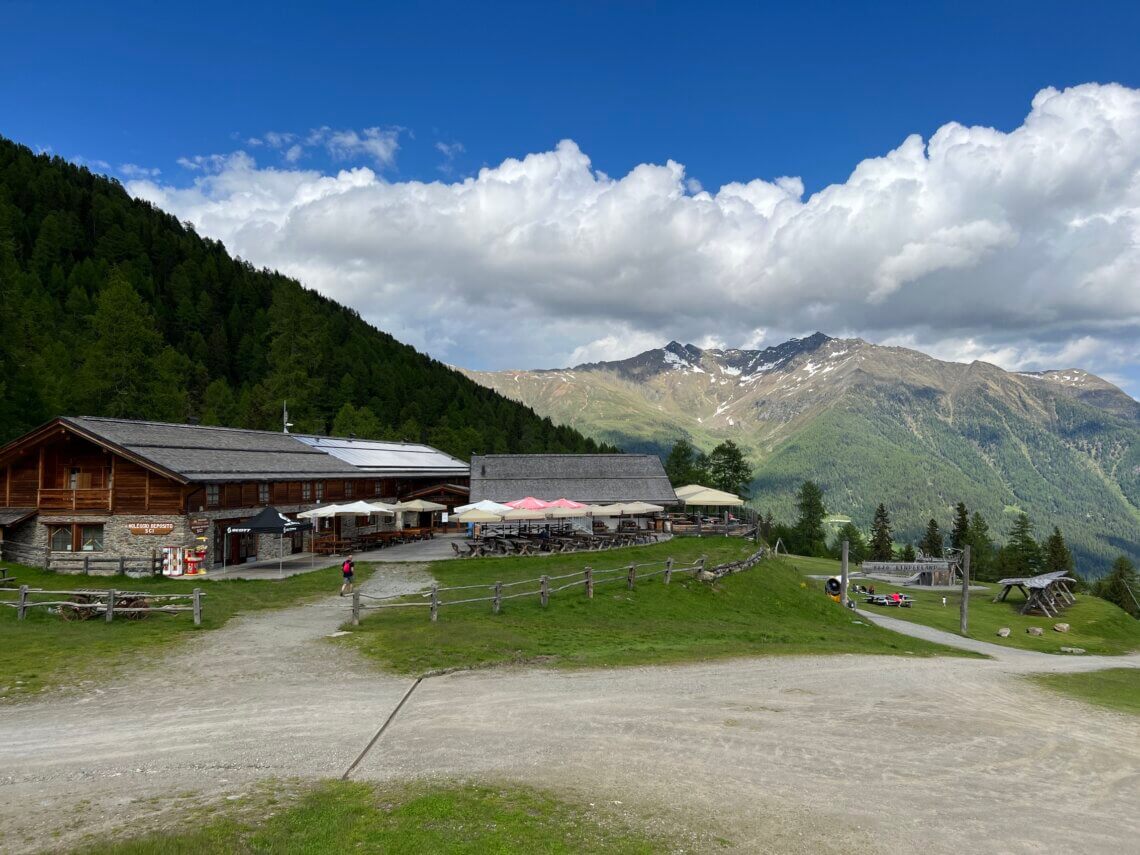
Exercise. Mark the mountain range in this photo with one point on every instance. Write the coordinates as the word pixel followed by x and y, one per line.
pixel 875 424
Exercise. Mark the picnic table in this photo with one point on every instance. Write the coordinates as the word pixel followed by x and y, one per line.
pixel 899 600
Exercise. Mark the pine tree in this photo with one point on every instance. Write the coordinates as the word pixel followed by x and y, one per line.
pixel 960 534
pixel 728 470
pixel 685 465
pixel 981 548
pixel 931 543
pixel 1121 586
pixel 856 543
pixel 1021 556
pixel 809 538
pixel 907 553
pixel 1057 557
pixel 882 547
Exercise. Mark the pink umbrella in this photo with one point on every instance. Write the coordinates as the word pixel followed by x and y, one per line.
pixel 530 503
pixel 565 503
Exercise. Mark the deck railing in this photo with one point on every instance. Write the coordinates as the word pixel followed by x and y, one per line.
pixel 74 500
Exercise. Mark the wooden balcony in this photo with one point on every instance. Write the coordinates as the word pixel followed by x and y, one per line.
pixel 75 500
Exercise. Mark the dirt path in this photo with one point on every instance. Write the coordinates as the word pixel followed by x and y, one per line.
pixel 836 754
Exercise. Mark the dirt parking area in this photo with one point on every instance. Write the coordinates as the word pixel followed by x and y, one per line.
pixel 805 754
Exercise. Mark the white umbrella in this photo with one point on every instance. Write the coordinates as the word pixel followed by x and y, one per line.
pixel 485 505
pixel 361 509
pixel 321 513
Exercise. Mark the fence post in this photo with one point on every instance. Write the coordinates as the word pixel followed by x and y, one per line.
pixel 110 605
pixel 23 604
pixel 155 567
pixel 434 602
pixel 701 563
pixel 122 565
pixel 544 590
pixel 843 575
pixel 197 592
pixel 497 605
pixel 47 557
pixel 631 576
pixel 86 565
pixel 356 608
pixel 589 583
pixel 668 570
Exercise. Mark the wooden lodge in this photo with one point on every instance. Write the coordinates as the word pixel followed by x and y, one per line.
pixel 116 488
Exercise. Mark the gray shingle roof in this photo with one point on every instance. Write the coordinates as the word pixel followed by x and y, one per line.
pixel 593 478
pixel 200 453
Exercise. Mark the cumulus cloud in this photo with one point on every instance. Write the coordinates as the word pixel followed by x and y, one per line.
pixel 1020 246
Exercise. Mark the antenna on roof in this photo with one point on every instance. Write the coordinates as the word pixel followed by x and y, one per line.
pixel 285 423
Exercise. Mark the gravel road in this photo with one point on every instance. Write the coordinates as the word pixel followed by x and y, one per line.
pixel 804 754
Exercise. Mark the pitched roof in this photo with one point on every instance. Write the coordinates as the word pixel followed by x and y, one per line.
pixel 592 478
pixel 200 453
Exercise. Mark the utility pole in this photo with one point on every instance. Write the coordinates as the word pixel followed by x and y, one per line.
pixel 965 614
pixel 843 578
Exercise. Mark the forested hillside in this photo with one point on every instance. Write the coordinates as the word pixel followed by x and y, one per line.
pixel 111 307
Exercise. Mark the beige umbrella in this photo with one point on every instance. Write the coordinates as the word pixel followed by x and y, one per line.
pixel 713 499
pixel 523 514
pixel 419 505
pixel 616 509
pixel 642 508
pixel 476 515
pixel 689 489
pixel 567 513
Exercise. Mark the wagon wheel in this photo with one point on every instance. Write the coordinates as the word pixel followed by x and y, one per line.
pixel 134 603
pixel 72 613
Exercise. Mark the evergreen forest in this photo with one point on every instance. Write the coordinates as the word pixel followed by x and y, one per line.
pixel 111 307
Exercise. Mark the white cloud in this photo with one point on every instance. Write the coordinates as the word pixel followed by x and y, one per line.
pixel 1022 246
pixel 379 144
pixel 132 170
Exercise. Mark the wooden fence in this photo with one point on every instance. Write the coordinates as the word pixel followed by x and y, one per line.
pixel 84 604
pixel 82 562
pixel 586 579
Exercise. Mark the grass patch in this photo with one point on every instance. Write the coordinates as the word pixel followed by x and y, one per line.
pixel 44 651
pixel 349 816
pixel 1096 625
pixel 768 609
pixel 1115 688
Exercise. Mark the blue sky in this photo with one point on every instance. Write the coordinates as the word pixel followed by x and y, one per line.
pixel 733 91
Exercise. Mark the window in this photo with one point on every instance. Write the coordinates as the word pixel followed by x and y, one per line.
pixel 306 491
pixel 76 538
pixel 320 491
pixel 60 537
pixel 263 493
pixel 212 495
pixel 90 538
pixel 349 489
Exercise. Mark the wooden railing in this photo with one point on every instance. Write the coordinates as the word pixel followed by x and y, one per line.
pixel 74 500
pixel 82 562
pixel 86 604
